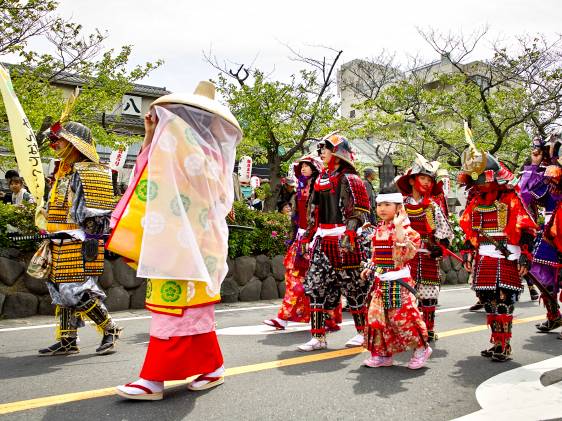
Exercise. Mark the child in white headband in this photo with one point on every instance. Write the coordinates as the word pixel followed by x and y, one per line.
pixel 394 323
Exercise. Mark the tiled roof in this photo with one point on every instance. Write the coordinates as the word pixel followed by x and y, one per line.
pixel 66 78
pixel 72 79
pixel 125 120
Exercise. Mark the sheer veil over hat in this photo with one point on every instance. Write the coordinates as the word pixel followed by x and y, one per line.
pixel 189 189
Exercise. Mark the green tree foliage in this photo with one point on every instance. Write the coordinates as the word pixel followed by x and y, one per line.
pixel 18 219
pixel 279 117
pixel 515 94
pixel 103 76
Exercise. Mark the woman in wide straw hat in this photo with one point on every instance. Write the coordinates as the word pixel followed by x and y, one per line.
pixel 171 225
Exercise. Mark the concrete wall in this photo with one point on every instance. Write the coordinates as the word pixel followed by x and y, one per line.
pixel 250 278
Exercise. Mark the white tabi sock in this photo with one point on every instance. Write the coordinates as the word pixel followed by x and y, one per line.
pixel 155 387
pixel 219 372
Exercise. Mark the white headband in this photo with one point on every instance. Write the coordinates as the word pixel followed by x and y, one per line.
pixel 390 198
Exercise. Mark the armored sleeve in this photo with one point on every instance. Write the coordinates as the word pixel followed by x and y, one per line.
pixel 354 215
pixel 443 230
pixel 92 217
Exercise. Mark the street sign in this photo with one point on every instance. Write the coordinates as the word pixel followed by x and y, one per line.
pixel 132 105
pixel 117 159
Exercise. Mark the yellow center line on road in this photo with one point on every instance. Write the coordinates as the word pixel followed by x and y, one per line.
pixel 25 405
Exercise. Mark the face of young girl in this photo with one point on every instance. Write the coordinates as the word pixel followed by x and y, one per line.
pixel 15 186
pixel 386 211
pixel 306 170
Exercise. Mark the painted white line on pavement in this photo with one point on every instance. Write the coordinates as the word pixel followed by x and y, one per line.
pixel 518 394
pixel 292 327
pixel 226 310
pixel 246 308
pixel 447 310
pixel 123 319
pixel 267 331
pixel 454 289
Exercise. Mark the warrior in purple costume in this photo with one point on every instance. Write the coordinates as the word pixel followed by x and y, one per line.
pixel 538 191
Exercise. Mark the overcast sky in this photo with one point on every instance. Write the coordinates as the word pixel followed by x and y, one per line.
pixel 243 31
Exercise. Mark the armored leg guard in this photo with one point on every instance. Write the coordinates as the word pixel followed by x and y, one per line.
pixel 317 323
pixel 109 340
pixel 491 321
pixel 66 334
pixel 427 308
pixel 502 334
pixel 93 309
pixel 359 319
pixel 553 316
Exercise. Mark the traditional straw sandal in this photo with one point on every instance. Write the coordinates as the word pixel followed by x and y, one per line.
pixel 148 394
pixel 211 382
pixel 274 323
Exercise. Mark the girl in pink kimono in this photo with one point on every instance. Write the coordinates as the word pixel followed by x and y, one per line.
pixel 394 323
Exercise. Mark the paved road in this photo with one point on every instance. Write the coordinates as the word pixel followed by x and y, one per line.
pixel 267 377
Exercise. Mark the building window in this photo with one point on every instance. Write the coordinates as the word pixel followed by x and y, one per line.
pixel 352 114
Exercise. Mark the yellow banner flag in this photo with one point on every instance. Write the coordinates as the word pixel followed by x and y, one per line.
pixel 25 144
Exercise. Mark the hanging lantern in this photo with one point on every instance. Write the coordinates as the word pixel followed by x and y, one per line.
pixel 245 169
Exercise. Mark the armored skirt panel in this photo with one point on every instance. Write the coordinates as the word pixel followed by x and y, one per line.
pixel 424 268
pixel 491 273
pixel 69 264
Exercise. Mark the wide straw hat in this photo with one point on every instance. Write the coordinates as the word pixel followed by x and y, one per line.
pixel 79 136
pixel 203 98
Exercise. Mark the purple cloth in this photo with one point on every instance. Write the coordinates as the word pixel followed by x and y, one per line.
pixel 547 275
pixel 532 179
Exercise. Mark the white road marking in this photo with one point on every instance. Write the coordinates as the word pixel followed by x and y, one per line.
pixel 293 327
pixel 226 310
pixel 518 394
pixel 454 289
pixel 122 319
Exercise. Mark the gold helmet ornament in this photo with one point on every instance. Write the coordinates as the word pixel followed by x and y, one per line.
pixel 480 167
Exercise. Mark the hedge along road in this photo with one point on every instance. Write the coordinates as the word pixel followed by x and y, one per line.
pixel 267 378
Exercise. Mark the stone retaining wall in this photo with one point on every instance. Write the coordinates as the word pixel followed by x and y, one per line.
pixel 249 279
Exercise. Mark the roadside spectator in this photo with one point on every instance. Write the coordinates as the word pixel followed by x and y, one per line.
pixel 287 209
pixel 19 194
pixel 5 193
pixel 287 192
